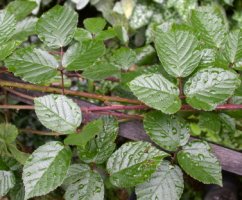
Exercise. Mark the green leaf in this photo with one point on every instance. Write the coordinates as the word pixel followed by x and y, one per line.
pixel 101 70
pixel 25 28
pixel 197 160
pixel 123 58
pixel 81 55
pixel 46 169
pixel 58 113
pixel 32 65
pixel 21 8
pixel 89 185
pixel 210 121
pixel 178 52
pixel 169 132
pixel 133 163
pixel 17 192
pixel 227 122
pixel 94 25
pixel 165 95
pixel 7 181
pixel 233 46
pixel 56 28
pixel 165 184
pixel 7 48
pixel 8 133
pixel 20 156
pixel 99 149
pixel 208 27
pixel 87 133
pixel 210 87
pixel 82 35
pixel 7 26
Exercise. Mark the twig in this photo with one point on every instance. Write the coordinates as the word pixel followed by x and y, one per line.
pixel 62 71
pixel 40 132
pixel 19 94
pixel 26 86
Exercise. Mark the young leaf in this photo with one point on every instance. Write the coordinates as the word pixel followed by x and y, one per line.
pixel 169 132
pixel 82 55
pixel 82 34
pixel 56 28
pixel 165 184
pixel 178 52
pixel 7 48
pixel 89 185
pixel 46 169
pixel 133 163
pixel 208 27
pixel 165 95
pixel 88 132
pixel 94 25
pixel 8 133
pixel 197 160
pixel 7 181
pixel 7 26
pixel 233 46
pixel 21 8
pixel 123 58
pixel 33 65
pixel 99 149
pixel 101 70
pixel 58 113
pixel 210 87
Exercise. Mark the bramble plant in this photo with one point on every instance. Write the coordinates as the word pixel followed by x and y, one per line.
pixel 190 61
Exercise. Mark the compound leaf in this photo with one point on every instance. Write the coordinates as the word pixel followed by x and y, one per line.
pixel 165 184
pixel 165 95
pixel 133 163
pixel 56 28
pixel 169 132
pixel 58 113
pixel 178 52
pixel 210 87
pixel 46 169
pixel 7 181
pixel 197 160
pixel 33 65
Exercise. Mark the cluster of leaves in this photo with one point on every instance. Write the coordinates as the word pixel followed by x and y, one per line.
pixel 199 51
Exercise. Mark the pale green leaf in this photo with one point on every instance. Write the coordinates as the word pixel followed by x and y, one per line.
pixel 210 87
pixel 94 25
pixel 169 132
pixel 58 113
pixel 7 48
pixel 165 184
pixel 233 46
pixel 99 149
pixel 89 185
pixel 56 28
pixel 82 35
pixel 46 169
pixel 80 4
pixel 82 55
pixel 21 8
pixel 7 181
pixel 101 70
pixel 208 27
pixel 25 28
pixel 197 160
pixel 210 121
pixel 165 95
pixel 8 133
pixel 178 52
pixel 106 34
pixel 32 65
pixel 18 155
pixel 7 26
pixel 123 58
pixel 133 163
pixel 87 133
